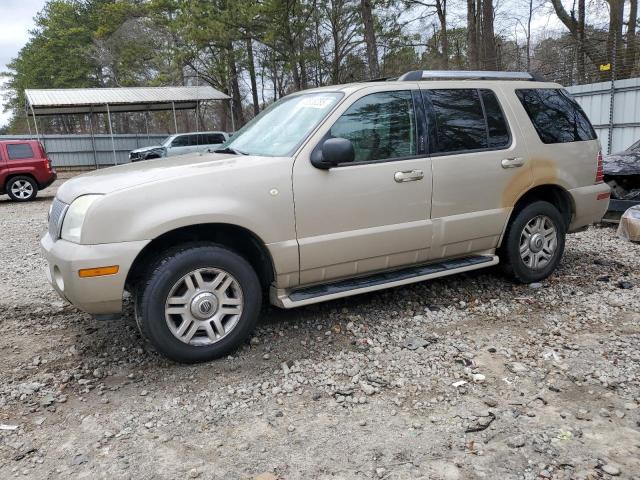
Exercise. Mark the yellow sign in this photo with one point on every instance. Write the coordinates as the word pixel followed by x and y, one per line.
pixel 605 67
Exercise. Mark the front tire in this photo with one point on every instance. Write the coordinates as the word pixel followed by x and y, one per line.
pixel 534 242
pixel 199 303
pixel 21 188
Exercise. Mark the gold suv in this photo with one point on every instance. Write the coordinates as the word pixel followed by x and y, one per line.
pixel 328 193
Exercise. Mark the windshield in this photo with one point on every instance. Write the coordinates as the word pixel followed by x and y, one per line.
pixel 280 129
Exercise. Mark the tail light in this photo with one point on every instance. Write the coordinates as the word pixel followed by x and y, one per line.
pixel 43 154
pixel 600 169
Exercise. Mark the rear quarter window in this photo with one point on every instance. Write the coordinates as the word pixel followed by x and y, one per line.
pixel 213 138
pixel 17 151
pixel 555 115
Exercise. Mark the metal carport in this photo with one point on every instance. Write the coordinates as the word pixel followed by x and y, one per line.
pixel 71 101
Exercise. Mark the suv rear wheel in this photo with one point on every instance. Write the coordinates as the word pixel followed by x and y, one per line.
pixel 199 303
pixel 21 188
pixel 534 242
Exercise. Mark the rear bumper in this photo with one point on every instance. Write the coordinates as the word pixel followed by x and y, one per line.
pixel 95 295
pixel 49 181
pixel 591 203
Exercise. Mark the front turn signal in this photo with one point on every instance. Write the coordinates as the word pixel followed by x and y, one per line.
pixel 98 272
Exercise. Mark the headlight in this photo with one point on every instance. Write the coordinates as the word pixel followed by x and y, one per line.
pixel 74 218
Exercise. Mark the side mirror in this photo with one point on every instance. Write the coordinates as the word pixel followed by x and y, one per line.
pixel 334 152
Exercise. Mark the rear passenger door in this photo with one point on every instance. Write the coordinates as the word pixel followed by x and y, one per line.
pixel 479 167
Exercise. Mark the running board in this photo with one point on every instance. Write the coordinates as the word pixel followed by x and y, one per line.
pixel 378 281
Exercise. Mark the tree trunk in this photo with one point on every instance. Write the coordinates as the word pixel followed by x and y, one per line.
pixel 630 53
pixel 441 8
pixel 529 18
pixel 490 56
pixel 252 76
pixel 235 87
pixel 366 12
pixel 303 72
pixel 335 61
pixel 580 50
pixel 472 35
pixel 614 39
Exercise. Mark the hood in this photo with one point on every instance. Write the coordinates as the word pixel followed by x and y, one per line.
pixel 623 163
pixel 146 149
pixel 129 175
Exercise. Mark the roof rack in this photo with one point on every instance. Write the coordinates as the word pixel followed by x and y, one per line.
pixel 415 75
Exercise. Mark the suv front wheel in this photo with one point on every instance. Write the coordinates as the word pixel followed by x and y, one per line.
pixel 22 188
pixel 199 303
pixel 534 242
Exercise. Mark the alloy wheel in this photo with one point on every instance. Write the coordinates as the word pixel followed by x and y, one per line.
pixel 22 189
pixel 538 242
pixel 204 306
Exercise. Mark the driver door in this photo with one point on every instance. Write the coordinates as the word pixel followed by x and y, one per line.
pixel 373 213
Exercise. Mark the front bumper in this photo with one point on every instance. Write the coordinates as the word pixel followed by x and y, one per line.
pixel 591 203
pixel 95 295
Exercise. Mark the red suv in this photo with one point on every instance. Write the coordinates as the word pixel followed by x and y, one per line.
pixel 24 169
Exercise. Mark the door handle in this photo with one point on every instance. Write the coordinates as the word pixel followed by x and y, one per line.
pixel 408 176
pixel 512 162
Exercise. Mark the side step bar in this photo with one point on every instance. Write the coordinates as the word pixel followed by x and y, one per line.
pixel 378 281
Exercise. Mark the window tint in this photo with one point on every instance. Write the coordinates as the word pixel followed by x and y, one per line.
pixel 17 151
pixel 496 123
pixel 381 126
pixel 459 120
pixel 555 115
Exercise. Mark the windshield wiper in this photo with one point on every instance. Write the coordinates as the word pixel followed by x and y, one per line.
pixel 230 150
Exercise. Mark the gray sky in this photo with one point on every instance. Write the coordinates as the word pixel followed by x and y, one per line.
pixel 16 19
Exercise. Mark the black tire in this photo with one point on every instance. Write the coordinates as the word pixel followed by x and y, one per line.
pixel 23 195
pixel 152 296
pixel 512 261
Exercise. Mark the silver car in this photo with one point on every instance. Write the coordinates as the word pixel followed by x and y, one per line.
pixel 180 144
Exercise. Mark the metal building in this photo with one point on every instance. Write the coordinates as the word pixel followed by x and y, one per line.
pixel 621 118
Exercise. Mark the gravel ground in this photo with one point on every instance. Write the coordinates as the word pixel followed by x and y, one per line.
pixel 465 377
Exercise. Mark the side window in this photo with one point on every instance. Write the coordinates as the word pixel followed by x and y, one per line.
pixel 381 126
pixel 459 120
pixel 555 115
pixel 17 151
pixel 180 141
pixel 214 138
pixel 496 123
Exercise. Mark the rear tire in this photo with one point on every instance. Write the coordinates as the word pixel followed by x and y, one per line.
pixel 21 188
pixel 199 303
pixel 533 243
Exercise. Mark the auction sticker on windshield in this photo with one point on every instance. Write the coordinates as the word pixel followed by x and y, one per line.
pixel 317 102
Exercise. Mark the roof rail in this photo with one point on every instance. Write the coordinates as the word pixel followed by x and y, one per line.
pixel 415 75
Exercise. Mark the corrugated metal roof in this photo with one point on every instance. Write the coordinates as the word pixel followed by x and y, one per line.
pixel 86 100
